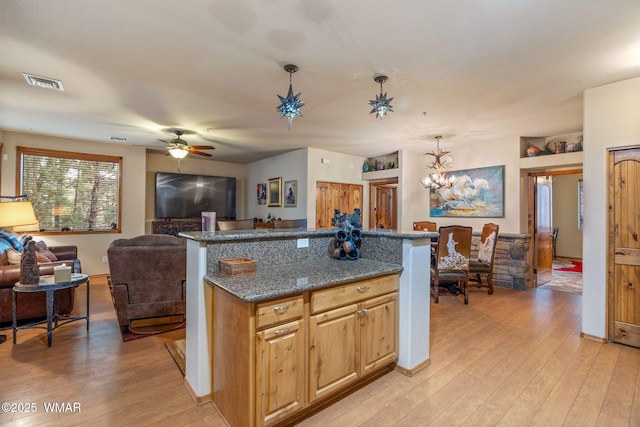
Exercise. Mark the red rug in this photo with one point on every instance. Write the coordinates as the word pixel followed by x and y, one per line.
pixel 577 267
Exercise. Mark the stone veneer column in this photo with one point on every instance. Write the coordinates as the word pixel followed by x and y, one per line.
pixel 512 264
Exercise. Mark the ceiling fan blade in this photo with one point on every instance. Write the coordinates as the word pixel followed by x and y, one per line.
pixel 199 153
pixel 201 147
pixel 166 142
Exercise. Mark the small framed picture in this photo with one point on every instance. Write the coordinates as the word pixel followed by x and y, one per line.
pixel 275 192
pixel 261 192
pixel 290 194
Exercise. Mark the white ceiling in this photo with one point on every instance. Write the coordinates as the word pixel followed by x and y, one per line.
pixel 471 70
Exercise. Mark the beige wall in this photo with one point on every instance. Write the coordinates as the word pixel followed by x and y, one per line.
pixel 611 115
pixel 415 199
pixel 565 215
pixel 288 166
pixel 91 247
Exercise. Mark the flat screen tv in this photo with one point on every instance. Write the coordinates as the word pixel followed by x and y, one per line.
pixel 187 196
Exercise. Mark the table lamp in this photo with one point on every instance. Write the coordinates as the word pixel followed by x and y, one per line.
pixel 16 214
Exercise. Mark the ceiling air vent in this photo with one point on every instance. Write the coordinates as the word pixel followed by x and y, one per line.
pixel 43 82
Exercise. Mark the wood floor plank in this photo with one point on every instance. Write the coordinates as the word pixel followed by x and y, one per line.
pixel 515 357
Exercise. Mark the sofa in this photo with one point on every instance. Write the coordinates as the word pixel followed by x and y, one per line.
pixel 33 305
pixel 147 277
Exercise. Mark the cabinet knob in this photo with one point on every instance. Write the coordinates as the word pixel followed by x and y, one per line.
pixel 362 289
pixel 282 331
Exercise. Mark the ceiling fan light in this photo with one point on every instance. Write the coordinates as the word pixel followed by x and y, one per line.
pixel 178 153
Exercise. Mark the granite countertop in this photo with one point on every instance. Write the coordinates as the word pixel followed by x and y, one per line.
pixel 292 279
pixel 271 233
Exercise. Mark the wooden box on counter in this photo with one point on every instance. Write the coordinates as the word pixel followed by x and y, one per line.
pixel 236 267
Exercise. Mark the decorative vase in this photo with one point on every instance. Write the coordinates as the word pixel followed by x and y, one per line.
pixel 365 166
pixel 560 147
pixel 533 151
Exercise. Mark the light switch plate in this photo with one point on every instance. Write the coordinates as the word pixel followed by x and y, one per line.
pixel 303 243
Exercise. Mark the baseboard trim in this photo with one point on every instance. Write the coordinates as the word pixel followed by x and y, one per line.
pixel 413 371
pixel 198 400
pixel 593 338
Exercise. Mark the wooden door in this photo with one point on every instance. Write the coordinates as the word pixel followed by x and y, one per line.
pixel 384 211
pixel 353 197
pixel 378 322
pixel 333 350
pixel 279 372
pixel 543 230
pixel 624 246
pixel 323 207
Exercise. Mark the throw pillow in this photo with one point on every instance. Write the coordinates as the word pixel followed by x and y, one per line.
pixel 42 249
pixel 14 257
pixel 12 238
pixel 4 245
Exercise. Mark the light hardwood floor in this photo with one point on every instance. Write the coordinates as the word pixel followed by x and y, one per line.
pixel 514 358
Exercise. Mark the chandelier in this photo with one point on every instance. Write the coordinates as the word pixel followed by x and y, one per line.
pixel 290 106
pixel 442 160
pixel 382 104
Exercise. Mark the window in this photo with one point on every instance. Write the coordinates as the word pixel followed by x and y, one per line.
pixel 71 192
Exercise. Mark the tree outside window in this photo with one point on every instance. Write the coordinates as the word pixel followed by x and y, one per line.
pixel 71 192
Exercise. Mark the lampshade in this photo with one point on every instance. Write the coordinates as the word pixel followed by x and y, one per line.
pixel 178 153
pixel 16 213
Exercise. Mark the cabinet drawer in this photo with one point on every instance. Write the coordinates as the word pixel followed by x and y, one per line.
pixel 353 292
pixel 283 310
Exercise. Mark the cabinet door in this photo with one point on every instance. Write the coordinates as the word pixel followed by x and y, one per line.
pixel 354 197
pixel 323 210
pixel 333 350
pixel 279 372
pixel 378 323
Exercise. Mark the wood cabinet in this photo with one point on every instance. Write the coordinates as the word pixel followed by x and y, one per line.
pixel 335 195
pixel 173 227
pixel 352 332
pixel 276 360
pixel 279 371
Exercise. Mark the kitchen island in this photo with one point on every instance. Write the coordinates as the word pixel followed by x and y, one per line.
pixel 297 264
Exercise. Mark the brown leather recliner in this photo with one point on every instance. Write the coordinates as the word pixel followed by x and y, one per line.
pixel 34 305
pixel 148 277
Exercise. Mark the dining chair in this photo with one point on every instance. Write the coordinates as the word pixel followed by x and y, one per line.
pixel 425 226
pixel 239 224
pixel 452 261
pixel 290 223
pixel 428 226
pixel 483 266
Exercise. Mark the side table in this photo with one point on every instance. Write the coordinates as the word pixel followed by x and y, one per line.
pixel 51 289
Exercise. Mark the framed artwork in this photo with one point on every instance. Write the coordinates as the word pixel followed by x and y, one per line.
pixel 261 193
pixel 476 193
pixel 274 192
pixel 290 194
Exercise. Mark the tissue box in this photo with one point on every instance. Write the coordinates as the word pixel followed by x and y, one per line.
pixel 62 274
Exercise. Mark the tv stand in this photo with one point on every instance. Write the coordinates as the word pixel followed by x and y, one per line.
pixel 175 226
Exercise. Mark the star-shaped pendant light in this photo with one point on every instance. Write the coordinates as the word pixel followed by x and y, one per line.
pixel 382 104
pixel 290 106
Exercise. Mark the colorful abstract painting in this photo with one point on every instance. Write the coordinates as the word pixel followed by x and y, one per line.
pixel 476 193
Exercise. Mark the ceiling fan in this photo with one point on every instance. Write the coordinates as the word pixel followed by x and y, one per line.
pixel 179 148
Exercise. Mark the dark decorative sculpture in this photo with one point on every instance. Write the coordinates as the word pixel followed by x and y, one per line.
pixel 29 269
pixel 349 238
pixel 343 220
